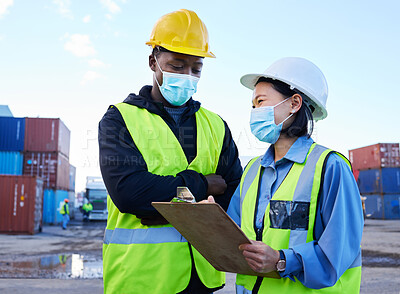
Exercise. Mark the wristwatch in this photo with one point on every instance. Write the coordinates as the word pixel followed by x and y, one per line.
pixel 281 264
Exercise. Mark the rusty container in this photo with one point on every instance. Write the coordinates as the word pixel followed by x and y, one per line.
pixel 20 204
pixel 52 167
pixel 380 155
pixel 47 135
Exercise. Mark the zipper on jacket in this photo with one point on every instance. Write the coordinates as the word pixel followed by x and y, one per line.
pixel 258 231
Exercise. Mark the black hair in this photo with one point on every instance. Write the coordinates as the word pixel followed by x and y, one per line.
pixel 158 49
pixel 303 123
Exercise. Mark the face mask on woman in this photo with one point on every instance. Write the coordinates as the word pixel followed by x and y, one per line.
pixel 177 88
pixel 262 123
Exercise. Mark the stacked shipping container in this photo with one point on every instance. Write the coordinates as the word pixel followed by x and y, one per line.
pixel 53 167
pixel 20 204
pixel 47 144
pixel 378 176
pixel 12 134
pixel 35 148
pixel 71 190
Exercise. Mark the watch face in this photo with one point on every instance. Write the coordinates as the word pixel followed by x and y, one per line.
pixel 281 265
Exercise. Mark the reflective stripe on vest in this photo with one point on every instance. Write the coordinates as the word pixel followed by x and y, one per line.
pixel 289 221
pixel 157 259
pixel 143 236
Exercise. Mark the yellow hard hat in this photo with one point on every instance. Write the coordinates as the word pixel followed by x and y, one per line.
pixel 181 31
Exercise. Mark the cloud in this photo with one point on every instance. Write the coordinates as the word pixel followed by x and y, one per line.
pixel 1 38
pixel 4 5
pixel 111 6
pixel 79 45
pixel 63 8
pixel 90 76
pixel 96 63
pixel 86 19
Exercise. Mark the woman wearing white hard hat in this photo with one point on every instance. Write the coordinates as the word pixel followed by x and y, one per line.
pixel 299 202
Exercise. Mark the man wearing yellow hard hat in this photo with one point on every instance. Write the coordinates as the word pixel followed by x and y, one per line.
pixel 152 143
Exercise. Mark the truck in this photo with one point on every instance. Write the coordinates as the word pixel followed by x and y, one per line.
pixel 96 193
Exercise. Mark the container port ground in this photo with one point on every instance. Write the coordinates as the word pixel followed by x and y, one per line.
pixel 70 261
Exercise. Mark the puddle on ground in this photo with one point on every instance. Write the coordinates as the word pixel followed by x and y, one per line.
pixel 59 266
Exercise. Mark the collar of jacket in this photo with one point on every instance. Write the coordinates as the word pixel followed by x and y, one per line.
pixel 144 100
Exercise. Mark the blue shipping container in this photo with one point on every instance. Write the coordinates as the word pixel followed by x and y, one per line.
pixel 12 134
pixel 373 206
pixel 379 181
pixel 11 163
pixel 383 206
pixel 49 211
pixel 391 204
pixel 52 202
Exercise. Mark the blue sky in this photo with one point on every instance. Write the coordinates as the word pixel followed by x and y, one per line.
pixel 72 59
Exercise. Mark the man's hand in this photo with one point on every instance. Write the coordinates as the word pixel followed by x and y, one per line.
pixel 216 185
pixel 209 199
pixel 260 257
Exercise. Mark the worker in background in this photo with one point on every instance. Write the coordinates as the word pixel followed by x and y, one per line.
pixel 63 259
pixel 65 214
pixel 152 143
pixel 87 207
pixel 299 202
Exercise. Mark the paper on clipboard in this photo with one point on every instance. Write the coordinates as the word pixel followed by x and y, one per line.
pixel 212 232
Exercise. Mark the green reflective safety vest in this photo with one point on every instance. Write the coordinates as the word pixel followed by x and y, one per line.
pixel 64 209
pixel 87 207
pixel 157 259
pixel 289 221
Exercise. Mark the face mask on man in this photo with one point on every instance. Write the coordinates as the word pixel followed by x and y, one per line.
pixel 262 123
pixel 177 88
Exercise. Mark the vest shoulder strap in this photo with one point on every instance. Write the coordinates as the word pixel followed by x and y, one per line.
pixel 250 172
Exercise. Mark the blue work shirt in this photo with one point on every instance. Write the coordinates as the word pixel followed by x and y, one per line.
pixel 339 219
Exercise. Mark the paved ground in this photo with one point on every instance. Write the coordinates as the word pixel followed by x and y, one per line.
pixel 70 261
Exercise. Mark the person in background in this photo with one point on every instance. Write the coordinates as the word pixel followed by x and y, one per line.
pixel 151 144
pixel 87 207
pixel 65 214
pixel 299 202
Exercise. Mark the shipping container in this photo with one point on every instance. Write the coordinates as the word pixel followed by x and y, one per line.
pixel 71 197
pixel 49 206
pixel 375 156
pixel 72 176
pixel 379 181
pixel 53 167
pixel 5 111
pixel 12 134
pixel 384 206
pixel 47 135
pixel 52 203
pixel 20 204
pixel 391 204
pixel 374 206
pixel 11 163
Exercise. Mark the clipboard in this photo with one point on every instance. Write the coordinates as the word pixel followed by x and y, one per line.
pixel 212 232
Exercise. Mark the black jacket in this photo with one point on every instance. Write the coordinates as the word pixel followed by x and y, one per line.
pixel 131 186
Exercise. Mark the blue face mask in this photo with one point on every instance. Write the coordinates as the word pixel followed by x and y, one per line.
pixel 177 88
pixel 262 123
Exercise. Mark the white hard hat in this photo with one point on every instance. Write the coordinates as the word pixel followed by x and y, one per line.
pixel 299 74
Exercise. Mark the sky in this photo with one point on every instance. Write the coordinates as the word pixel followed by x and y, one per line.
pixel 72 59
